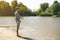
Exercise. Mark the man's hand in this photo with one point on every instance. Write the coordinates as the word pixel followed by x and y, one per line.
pixel 21 17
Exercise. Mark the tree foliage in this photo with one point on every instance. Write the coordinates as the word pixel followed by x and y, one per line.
pixel 44 6
pixel 5 8
pixel 44 10
pixel 54 9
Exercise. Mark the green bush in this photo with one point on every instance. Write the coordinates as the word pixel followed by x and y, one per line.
pixel 58 14
pixel 45 14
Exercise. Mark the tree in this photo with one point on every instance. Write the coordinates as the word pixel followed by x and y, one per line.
pixel 54 8
pixel 24 11
pixel 5 8
pixel 42 10
pixel 44 6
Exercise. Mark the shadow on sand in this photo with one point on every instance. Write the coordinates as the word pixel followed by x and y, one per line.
pixel 26 38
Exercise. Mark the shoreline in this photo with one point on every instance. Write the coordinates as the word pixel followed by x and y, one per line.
pixel 6 34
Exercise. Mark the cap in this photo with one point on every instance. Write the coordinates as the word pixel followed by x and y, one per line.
pixel 17 7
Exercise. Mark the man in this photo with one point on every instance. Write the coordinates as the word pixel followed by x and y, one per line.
pixel 17 18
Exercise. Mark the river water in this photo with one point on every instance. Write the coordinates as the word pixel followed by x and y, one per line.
pixel 39 28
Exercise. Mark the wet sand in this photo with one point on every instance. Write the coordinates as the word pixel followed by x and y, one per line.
pixel 37 35
pixel 10 34
pixel 6 34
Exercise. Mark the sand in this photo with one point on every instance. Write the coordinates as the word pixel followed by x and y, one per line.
pixel 6 34
pixel 10 34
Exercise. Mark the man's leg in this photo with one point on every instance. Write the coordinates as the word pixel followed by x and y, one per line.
pixel 18 25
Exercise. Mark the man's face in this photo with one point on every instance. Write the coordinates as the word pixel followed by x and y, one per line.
pixel 18 10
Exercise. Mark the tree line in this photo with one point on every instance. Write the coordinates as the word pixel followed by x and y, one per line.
pixel 44 10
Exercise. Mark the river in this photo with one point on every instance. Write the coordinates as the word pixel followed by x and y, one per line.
pixel 48 27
